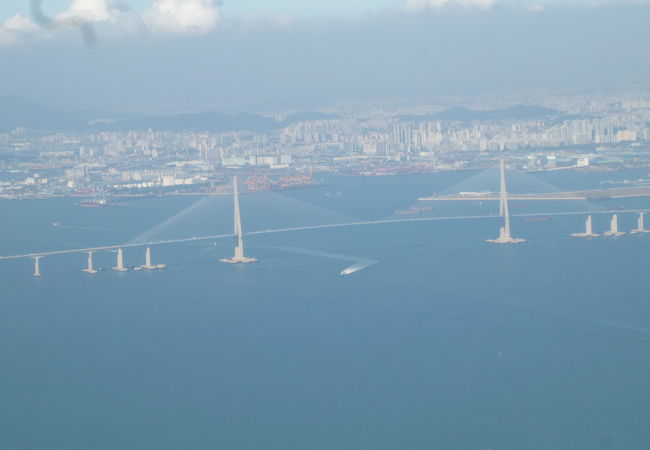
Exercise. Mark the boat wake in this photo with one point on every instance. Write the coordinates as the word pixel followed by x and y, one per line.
pixel 359 263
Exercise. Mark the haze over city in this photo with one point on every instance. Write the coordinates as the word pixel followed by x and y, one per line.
pixel 201 54
pixel 317 225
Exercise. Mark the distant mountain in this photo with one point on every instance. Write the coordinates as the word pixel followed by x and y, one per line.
pixel 306 116
pixel 208 121
pixel 518 112
pixel 20 112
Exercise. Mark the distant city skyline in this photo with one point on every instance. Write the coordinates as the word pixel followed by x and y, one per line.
pixel 51 155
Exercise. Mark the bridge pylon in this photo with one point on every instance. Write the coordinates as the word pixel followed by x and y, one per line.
pixel 504 232
pixel 239 257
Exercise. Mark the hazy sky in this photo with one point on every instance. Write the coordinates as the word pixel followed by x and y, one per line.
pixel 185 53
pixel 301 8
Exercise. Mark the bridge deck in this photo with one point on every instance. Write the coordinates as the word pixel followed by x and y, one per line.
pixel 595 194
pixel 308 227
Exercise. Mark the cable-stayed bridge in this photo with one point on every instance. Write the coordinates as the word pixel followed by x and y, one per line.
pixel 477 213
pixel 308 227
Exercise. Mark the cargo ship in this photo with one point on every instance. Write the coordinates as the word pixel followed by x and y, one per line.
pixel 260 182
pixel 93 203
pixel 411 211
pixel 538 219
pixel 100 203
pixel 297 182
pixel 414 210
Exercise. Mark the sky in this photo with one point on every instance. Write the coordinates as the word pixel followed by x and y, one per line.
pixel 248 54
pixel 300 8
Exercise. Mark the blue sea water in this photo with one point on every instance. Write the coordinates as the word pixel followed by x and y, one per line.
pixel 446 342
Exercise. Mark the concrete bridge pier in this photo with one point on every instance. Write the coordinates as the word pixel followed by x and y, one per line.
pixel 90 268
pixel 640 228
pixel 589 231
pixel 37 266
pixel 120 262
pixel 147 261
pixel 613 231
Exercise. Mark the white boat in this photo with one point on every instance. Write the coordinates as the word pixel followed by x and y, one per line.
pixel 353 268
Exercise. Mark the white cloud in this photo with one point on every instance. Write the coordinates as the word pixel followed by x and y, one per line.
pixel 183 16
pixel 187 17
pixel 162 17
pixel 420 5
pixel 16 29
pixel 88 11
pixel 20 24
pixel 81 14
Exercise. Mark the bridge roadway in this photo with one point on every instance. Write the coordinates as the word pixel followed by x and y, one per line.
pixel 307 227
pixel 597 194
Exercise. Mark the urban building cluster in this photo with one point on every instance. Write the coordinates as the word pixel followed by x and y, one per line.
pixel 596 131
